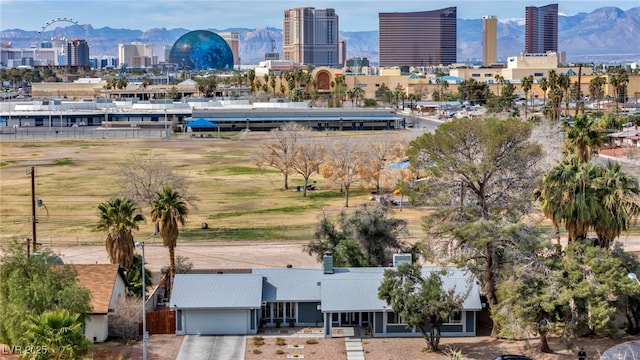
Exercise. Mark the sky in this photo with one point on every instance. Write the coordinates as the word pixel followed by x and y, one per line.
pixel 354 15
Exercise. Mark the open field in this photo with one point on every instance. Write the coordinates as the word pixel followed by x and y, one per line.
pixel 236 199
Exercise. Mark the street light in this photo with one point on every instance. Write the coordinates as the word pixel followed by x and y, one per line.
pixel 145 336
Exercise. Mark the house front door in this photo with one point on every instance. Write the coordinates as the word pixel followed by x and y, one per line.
pixel 350 318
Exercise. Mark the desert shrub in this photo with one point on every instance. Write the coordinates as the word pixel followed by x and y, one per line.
pixel 257 351
pixel 258 340
pixel 312 341
pixel 279 352
pixel 280 341
pixel 453 354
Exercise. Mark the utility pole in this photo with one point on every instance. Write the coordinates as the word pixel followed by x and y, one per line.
pixel 32 172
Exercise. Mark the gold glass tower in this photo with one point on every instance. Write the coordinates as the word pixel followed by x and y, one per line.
pixel 489 40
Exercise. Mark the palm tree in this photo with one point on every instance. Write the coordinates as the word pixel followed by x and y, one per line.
pixel 499 81
pixel 564 83
pixel 358 93
pixel 583 139
pixel 596 86
pixel 58 332
pixel 567 196
pixel 619 205
pixel 619 81
pixel 169 209
pixel 527 83
pixel 544 85
pixel 118 217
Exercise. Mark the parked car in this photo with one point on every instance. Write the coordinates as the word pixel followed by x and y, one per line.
pixel 512 357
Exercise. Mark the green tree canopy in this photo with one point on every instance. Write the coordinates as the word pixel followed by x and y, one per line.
pixel 32 285
pixel 420 302
pixel 365 237
pixel 479 175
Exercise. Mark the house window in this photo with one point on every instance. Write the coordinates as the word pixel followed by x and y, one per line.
pixel 475 75
pixel 393 318
pixel 278 311
pixel 179 317
pixel 334 317
pixel 455 318
pixel 291 310
pixel 538 74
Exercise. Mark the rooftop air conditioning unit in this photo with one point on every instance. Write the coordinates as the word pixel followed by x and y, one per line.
pixel 401 259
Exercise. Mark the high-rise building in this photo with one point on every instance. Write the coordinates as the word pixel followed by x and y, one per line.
pixel 541 29
pixel 231 37
pixel 342 52
pixel 423 38
pixel 489 40
pixel 136 55
pixel 77 52
pixel 310 36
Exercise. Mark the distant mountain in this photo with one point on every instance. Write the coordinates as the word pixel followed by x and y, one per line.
pixel 606 34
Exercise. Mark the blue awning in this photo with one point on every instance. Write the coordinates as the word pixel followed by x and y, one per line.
pixel 202 123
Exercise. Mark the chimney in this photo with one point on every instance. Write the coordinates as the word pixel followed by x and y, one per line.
pixel 327 263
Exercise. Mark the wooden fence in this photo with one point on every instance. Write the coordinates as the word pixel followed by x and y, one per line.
pixel 161 322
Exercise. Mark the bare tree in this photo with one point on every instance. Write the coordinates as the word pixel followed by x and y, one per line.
pixel 123 324
pixel 345 160
pixel 280 151
pixel 143 176
pixel 389 147
pixel 308 159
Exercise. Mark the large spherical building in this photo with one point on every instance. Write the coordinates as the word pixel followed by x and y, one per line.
pixel 201 50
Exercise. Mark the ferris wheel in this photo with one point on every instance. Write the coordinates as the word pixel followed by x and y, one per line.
pixel 47 26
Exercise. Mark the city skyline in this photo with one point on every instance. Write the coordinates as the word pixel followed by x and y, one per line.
pixel 354 15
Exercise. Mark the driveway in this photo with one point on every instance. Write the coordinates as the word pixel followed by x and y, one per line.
pixel 228 347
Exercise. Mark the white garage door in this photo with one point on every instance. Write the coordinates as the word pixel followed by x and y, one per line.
pixel 216 322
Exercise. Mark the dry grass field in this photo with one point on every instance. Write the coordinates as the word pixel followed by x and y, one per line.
pixel 236 199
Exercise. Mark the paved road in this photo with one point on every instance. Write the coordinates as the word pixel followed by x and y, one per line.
pixel 212 347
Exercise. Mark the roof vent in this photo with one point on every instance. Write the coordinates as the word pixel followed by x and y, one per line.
pixel 289 266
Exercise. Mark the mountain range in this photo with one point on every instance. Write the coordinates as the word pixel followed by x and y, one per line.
pixel 607 34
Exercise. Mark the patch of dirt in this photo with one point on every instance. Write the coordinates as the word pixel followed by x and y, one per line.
pixel 309 347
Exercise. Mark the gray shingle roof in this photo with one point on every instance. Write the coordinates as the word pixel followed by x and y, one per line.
pixel 290 284
pixel 347 289
pixel 356 289
pixel 207 291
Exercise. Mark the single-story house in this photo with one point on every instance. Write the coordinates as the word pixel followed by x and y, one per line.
pixel 216 304
pixel 106 284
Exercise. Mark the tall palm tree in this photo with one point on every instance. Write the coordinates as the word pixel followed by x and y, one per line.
pixel 596 86
pixel 527 83
pixel 118 217
pixel 618 195
pixel 583 138
pixel 619 81
pixel 567 196
pixel 169 208
pixel 544 85
pixel 564 83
